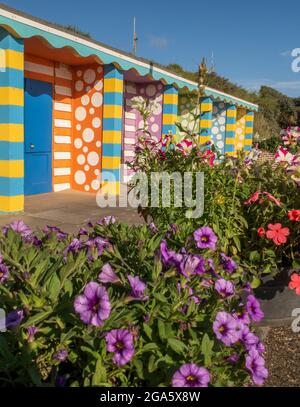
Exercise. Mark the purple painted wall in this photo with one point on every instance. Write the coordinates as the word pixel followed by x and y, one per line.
pixel 133 119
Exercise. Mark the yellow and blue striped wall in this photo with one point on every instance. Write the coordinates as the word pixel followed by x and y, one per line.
pixel 170 110
pixel 11 123
pixel 206 109
pixel 249 131
pixel 112 130
pixel 231 113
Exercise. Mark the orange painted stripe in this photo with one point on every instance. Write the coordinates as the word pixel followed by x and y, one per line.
pixel 63 82
pixel 39 60
pixel 62 147
pixel 62 115
pixel 62 99
pixel 61 179
pixel 61 131
pixel 39 77
pixel 62 163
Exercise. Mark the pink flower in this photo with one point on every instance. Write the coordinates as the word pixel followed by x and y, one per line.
pixel 294 215
pixel 277 233
pixel 283 156
pixel 295 283
pixel 261 231
pixel 272 198
pixel 253 198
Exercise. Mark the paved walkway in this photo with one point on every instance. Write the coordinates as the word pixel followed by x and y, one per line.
pixel 69 210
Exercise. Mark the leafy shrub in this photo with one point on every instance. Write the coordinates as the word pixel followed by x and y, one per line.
pixel 118 305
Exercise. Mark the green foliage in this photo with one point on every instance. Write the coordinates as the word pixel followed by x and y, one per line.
pixel 168 326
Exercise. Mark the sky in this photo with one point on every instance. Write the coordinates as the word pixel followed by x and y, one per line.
pixel 251 41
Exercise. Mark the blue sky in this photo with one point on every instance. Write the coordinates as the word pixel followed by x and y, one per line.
pixel 251 41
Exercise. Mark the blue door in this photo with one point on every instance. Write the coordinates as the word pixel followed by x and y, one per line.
pixel 38 137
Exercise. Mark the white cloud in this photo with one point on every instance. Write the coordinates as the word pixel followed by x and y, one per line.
pixel 282 86
pixel 158 42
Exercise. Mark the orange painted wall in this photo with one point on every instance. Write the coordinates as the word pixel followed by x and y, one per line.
pixel 87 127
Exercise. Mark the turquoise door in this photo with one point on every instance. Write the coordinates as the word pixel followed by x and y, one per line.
pixel 38 137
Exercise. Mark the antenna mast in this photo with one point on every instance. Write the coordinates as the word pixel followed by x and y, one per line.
pixel 135 38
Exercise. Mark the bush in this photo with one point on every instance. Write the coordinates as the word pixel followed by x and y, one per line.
pixel 125 306
pixel 229 183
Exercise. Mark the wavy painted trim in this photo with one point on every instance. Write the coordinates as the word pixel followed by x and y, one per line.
pixel 85 48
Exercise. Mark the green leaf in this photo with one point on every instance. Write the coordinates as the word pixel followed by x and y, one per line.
pixel 161 330
pixel 139 368
pixel 255 282
pixel 176 345
pixel 149 347
pixel 100 373
pixel 160 297
pixel 53 287
pixel 147 330
pixel 206 349
pixel 151 364
pixel 37 318
pixel 237 242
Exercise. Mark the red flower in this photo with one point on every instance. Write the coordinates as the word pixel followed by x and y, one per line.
pixel 272 198
pixel 295 283
pixel 253 198
pixel 294 215
pixel 261 231
pixel 277 233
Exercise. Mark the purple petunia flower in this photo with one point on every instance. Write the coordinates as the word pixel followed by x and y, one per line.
pixel 93 305
pixel 242 316
pixel 224 288
pixel 107 275
pixel 74 246
pixel 253 309
pixel 153 228
pixel 18 226
pixel 233 359
pixel 31 331
pixel 83 232
pixel 248 338
pixel 120 341
pixel 226 328
pixel 192 264
pixel 169 257
pixel 205 238
pixel 61 355
pixel 57 231
pixel 14 318
pixel 255 363
pixel 4 273
pixel 227 263
pixel 61 381
pixel 137 288
pixel 96 247
pixel 191 375
pixel 106 220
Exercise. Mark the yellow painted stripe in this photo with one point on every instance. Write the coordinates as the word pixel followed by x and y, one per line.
pixel 231 113
pixel 112 136
pixel 110 187
pixel 169 118
pixel 204 139
pixel 11 96
pixel 113 111
pixel 248 142
pixel 231 153
pixel 12 168
pixel 111 163
pixel 11 59
pixel 11 132
pixel 113 85
pixel 12 203
pixel 205 124
pixel 249 118
pixel 170 99
pixel 249 130
pixel 206 107
pixel 231 127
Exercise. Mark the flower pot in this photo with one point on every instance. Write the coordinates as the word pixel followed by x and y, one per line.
pixel 277 300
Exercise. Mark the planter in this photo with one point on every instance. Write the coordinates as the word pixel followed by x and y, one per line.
pixel 277 299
